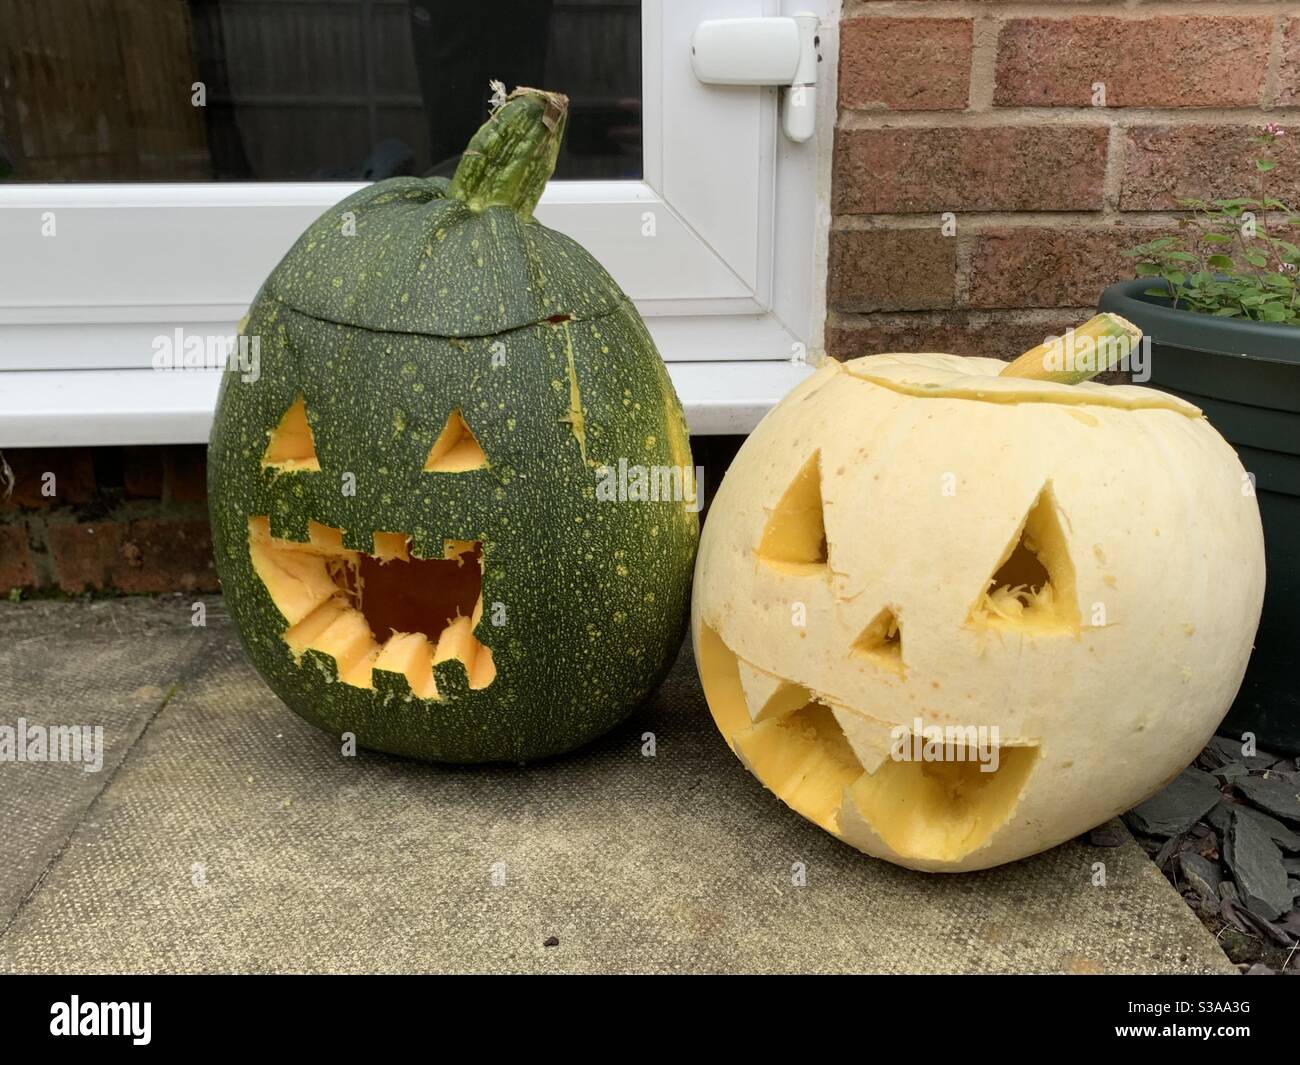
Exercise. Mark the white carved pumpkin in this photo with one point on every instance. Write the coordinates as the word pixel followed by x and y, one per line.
pixel 910 543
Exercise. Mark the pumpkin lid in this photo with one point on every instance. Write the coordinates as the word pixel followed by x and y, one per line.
pixel 933 375
pixel 463 258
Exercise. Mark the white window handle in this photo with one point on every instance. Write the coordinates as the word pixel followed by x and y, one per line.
pixel 764 51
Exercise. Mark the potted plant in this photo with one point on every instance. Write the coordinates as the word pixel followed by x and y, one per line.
pixel 1220 302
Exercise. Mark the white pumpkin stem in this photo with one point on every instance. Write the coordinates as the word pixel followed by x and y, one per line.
pixel 1092 348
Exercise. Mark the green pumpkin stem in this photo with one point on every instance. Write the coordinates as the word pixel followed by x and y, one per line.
pixel 1096 346
pixel 512 156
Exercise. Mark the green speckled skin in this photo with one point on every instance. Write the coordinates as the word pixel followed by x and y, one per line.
pixel 386 332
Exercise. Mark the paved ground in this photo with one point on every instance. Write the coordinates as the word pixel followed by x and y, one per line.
pixel 223 834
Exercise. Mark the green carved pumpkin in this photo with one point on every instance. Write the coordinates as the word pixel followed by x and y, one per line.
pixel 405 494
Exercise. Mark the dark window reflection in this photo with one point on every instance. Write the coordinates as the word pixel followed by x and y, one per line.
pixel 303 90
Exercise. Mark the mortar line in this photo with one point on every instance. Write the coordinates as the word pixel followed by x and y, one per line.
pixel 1084 221
pixel 1128 10
pixel 1026 117
pixel 1273 75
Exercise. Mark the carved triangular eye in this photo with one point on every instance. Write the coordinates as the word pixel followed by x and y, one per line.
pixel 795 535
pixel 291 447
pixel 881 642
pixel 1032 587
pixel 456 450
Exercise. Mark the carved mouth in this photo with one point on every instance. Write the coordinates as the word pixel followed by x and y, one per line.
pixel 388 611
pixel 817 756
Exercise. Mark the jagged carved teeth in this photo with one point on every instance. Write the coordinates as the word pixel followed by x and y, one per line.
pixel 847 771
pixel 389 610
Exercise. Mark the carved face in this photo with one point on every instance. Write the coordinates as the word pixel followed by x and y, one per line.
pixel 385 609
pixel 956 619
pixel 404 500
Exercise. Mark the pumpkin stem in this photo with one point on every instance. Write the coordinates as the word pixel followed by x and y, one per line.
pixel 511 157
pixel 1092 348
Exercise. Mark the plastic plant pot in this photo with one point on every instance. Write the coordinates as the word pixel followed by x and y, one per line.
pixel 1246 377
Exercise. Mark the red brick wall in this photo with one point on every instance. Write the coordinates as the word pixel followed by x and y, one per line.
pixel 986 110
pixel 120 519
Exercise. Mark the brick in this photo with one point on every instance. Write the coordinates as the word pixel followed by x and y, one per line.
pixel 1008 168
pixel 162 555
pixel 905 64
pixel 73 480
pixel 1168 61
pixel 1163 163
pixel 1036 266
pixel 142 472
pixel 143 556
pixel 17 568
pixel 187 474
pixel 84 555
pixel 1288 82
pixel 958 333
pixel 891 269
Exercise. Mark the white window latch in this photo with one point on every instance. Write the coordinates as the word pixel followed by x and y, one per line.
pixel 764 51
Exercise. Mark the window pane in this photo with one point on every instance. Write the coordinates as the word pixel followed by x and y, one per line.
pixel 303 90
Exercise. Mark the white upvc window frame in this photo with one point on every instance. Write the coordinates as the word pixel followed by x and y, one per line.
pixel 721 244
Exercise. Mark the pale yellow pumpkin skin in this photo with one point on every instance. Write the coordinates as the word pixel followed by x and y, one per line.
pixel 928 467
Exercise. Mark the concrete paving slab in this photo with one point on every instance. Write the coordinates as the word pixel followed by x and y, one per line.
pixel 106 664
pixel 235 837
